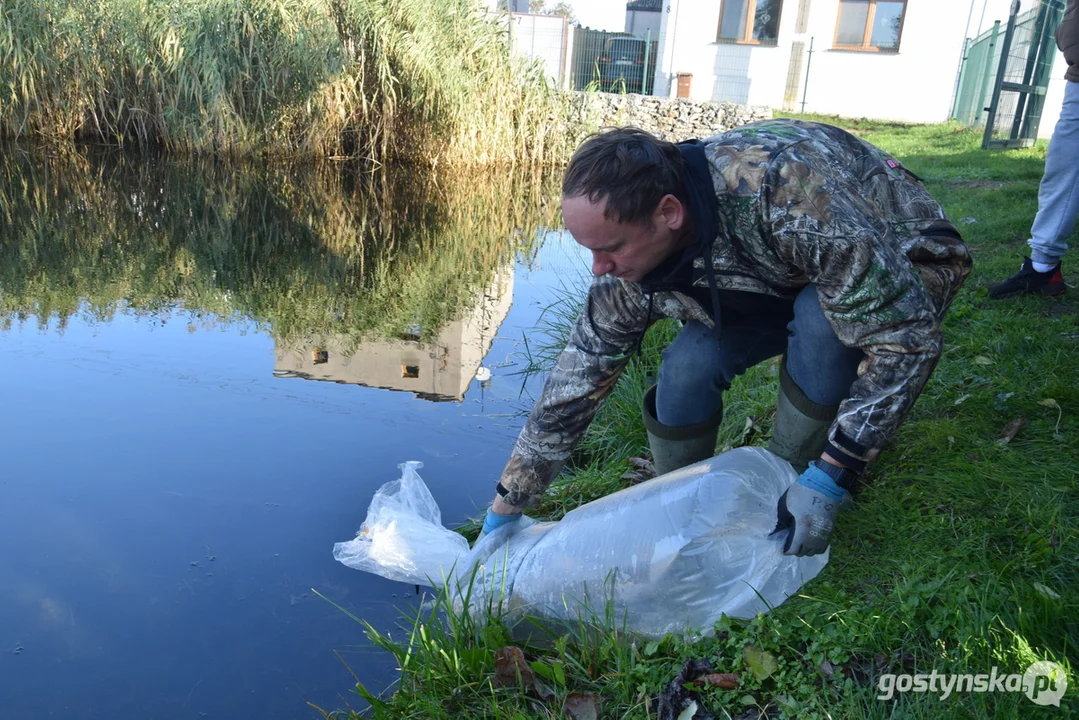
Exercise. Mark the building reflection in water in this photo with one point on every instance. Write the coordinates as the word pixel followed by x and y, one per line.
pixel 440 369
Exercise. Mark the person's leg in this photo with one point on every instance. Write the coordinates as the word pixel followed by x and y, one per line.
pixel 1058 207
pixel 820 365
pixel 697 368
pixel 815 378
pixel 683 411
pixel 1058 194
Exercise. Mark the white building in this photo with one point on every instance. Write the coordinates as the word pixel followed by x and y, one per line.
pixel 643 18
pixel 884 59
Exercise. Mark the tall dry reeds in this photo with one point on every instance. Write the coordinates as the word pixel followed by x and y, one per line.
pixel 387 80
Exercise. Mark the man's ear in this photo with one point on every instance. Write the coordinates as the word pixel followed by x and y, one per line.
pixel 670 213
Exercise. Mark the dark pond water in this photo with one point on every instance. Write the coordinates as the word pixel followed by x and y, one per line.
pixel 207 371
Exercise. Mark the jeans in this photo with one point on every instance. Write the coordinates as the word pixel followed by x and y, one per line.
pixel 696 369
pixel 1058 195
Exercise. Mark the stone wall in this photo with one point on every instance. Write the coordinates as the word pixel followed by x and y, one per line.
pixel 667 118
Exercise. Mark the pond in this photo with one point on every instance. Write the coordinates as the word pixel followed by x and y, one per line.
pixel 209 369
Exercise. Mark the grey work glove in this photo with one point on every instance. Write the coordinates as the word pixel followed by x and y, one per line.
pixel 808 509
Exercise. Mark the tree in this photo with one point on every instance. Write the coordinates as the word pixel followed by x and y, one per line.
pixel 565 10
pixel 540 7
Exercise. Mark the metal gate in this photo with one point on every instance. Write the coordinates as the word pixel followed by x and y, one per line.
pixel 613 62
pixel 1026 60
pixel 542 38
pixel 1009 67
pixel 980 59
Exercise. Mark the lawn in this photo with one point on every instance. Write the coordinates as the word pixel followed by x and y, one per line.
pixel 962 554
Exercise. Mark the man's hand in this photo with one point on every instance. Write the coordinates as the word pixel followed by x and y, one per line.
pixel 808 509
pixel 495 520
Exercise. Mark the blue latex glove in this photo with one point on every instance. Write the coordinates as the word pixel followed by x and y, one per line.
pixel 809 508
pixel 493 521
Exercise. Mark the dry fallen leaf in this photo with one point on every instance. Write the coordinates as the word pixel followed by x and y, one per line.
pixel 509 665
pixel 642 463
pixel 581 706
pixel 726 681
pixel 983 360
pixel 1011 431
pixel 1051 403
pixel 641 471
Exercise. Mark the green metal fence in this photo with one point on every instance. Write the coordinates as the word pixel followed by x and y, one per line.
pixel 980 60
pixel 1026 61
pixel 1005 73
pixel 612 62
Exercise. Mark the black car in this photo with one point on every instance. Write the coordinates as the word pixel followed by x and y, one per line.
pixel 621 64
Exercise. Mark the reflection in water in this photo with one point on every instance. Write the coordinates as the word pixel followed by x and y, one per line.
pixel 439 369
pixel 301 251
pixel 166 505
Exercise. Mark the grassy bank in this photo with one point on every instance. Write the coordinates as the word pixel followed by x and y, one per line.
pixel 963 552
pixel 405 80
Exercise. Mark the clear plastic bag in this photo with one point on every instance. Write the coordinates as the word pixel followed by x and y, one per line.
pixel 403 537
pixel 669 555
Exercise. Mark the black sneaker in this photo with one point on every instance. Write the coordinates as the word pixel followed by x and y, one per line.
pixel 1030 281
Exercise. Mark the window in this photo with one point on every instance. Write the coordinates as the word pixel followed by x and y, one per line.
pixel 749 21
pixel 870 24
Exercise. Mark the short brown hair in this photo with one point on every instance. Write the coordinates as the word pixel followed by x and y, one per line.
pixel 629 167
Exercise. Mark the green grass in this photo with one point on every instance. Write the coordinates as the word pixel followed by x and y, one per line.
pixel 938 567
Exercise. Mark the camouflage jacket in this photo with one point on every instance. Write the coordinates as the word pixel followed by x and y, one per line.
pixel 799 203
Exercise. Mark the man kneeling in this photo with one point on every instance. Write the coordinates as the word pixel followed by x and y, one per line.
pixel 780 237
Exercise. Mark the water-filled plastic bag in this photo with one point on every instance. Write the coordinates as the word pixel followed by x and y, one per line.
pixel 671 554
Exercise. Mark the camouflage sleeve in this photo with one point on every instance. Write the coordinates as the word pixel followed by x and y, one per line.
pixel 870 292
pixel 599 347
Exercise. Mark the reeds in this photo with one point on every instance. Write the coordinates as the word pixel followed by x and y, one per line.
pixel 386 80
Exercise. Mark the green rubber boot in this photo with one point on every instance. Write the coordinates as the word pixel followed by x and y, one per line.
pixel 677 447
pixel 801 429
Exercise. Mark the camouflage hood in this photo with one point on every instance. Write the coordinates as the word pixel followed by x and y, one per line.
pixel 798 203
